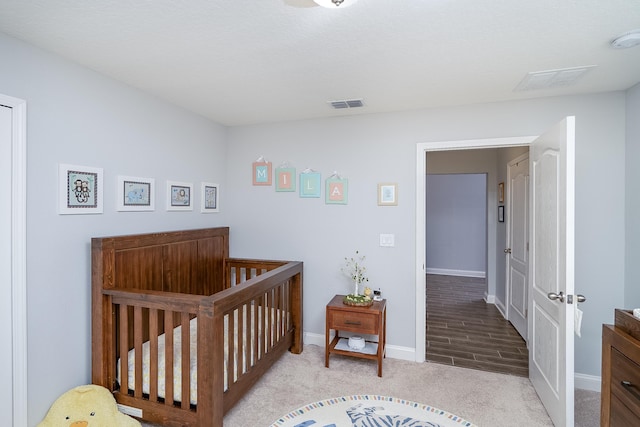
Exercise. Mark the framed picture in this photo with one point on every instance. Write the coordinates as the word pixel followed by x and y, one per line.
pixel 261 173
pixel 179 196
pixel 387 194
pixel 135 194
pixel 500 213
pixel 336 191
pixel 210 198
pixel 501 192
pixel 310 184
pixel 285 179
pixel 79 189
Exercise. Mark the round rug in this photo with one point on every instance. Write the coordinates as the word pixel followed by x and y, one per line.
pixel 366 410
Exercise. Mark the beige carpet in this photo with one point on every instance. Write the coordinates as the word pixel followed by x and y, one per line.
pixel 483 398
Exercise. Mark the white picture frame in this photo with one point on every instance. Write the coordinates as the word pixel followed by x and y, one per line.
pixel 135 193
pixel 209 197
pixel 179 196
pixel 80 189
pixel 387 194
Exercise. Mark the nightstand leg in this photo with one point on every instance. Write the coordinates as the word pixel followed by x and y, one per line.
pixel 326 347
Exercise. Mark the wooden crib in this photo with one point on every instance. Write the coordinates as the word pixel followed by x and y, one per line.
pixel 245 313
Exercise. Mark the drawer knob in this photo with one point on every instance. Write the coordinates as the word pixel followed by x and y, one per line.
pixel 631 388
pixel 352 322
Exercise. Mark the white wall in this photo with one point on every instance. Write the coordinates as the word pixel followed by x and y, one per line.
pixel 457 224
pixel 77 116
pixel 381 148
pixel 632 208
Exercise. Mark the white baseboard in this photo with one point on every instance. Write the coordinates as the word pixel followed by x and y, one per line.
pixel 587 382
pixel 489 299
pixel 463 273
pixel 392 351
pixel 501 307
pixel 581 381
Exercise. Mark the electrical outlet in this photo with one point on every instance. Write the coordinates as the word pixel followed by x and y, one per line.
pixel 387 240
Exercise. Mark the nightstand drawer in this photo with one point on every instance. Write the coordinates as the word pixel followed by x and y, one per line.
pixel 625 381
pixel 364 323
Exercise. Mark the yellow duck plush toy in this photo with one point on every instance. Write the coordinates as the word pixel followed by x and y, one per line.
pixel 87 406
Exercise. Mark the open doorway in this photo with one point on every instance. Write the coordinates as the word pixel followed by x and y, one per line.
pixel 466 304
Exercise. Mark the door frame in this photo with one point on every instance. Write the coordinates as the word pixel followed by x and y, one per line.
pixel 422 148
pixel 18 256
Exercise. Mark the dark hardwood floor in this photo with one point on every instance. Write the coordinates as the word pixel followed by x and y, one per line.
pixel 463 330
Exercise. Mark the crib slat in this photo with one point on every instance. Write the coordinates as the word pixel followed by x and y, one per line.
pixel 124 348
pixel 153 355
pixel 269 315
pixel 168 358
pixel 241 338
pixel 186 361
pixel 230 337
pixel 137 339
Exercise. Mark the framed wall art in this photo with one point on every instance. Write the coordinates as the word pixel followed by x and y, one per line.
pixel 210 198
pixel 336 190
pixel 310 183
pixel 261 170
pixel 179 196
pixel 135 193
pixel 285 179
pixel 387 194
pixel 80 189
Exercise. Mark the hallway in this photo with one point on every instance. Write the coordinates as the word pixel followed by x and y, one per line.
pixel 463 330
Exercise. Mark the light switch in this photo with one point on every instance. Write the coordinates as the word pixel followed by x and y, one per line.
pixel 387 240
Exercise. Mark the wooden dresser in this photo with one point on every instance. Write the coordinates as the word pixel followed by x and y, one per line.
pixel 621 371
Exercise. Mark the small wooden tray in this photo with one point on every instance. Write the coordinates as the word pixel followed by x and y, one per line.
pixel 625 320
pixel 357 304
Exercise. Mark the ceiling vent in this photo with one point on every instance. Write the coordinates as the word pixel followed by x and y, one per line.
pixel 346 103
pixel 552 79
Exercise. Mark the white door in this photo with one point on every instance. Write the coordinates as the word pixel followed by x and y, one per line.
pixel 518 243
pixel 6 360
pixel 551 306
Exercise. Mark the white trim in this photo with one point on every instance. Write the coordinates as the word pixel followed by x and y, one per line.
pixel 500 306
pixel 587 382
pixel 18 256
pixel 459 273
pixel 489 299
pixel 421 171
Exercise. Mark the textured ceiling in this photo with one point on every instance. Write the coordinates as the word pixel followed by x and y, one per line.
pixel 255 61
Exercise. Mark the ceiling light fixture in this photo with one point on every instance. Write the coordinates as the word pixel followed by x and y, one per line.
pixel 627 40
pixel 335 4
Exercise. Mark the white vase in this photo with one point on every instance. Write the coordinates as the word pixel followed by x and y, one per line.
pixel 355 292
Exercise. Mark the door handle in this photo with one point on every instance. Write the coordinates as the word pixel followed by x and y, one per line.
pixel 581 298
pixel 553 296
pixel 507 251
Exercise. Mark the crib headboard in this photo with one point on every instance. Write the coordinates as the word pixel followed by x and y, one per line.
pixel 186 261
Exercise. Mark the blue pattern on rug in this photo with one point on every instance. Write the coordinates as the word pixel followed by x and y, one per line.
pixel 369 411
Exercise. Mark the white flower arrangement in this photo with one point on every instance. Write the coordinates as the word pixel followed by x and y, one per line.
pixel 354 268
